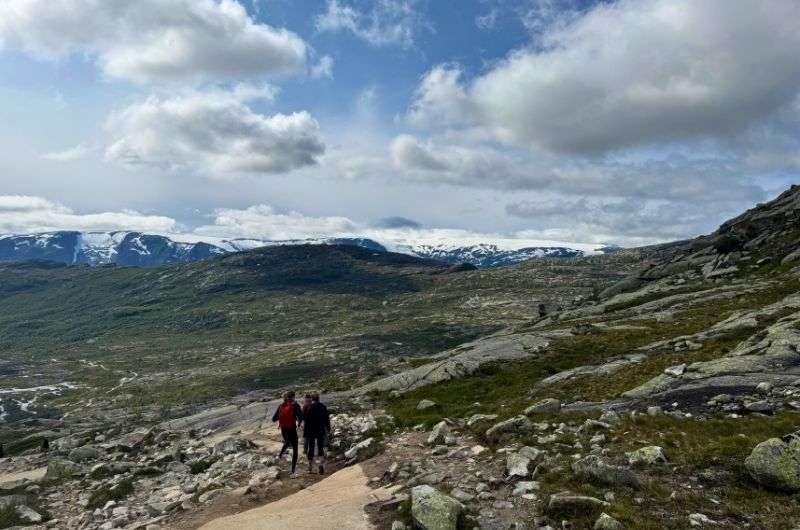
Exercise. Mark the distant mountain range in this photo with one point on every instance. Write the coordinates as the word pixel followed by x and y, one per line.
pixel 149 250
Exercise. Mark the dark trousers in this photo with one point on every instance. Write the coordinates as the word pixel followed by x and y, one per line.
pixel 318 442
pixel 290 440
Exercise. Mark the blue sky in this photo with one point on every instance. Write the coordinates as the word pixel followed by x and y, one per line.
pixel 624 122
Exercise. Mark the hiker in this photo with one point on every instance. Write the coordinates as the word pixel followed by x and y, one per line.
pixel 306 404
pixel 2 451
pixel 289 416
pixel 317 424
pixel 44 447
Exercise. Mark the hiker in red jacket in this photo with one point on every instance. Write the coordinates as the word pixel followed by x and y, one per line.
pixel 289 416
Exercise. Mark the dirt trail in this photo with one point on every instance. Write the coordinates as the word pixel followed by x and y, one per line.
pixel 334 503
pixel 32 474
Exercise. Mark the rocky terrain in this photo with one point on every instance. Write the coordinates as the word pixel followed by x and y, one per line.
pixel 653 388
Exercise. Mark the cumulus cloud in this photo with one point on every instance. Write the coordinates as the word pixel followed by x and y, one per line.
pixel 631 73
pixel 387 22
pixel 161 41
pixel 213 132
pixel 23 214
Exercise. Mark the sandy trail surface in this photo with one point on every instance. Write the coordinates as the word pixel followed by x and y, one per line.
pixel 31 474
pixel 334 503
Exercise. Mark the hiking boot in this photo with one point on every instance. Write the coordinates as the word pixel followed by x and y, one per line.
pixel 310 467
pixel 321 469
pixel 293 475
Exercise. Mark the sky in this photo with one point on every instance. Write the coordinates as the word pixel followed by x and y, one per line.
pixel 622 122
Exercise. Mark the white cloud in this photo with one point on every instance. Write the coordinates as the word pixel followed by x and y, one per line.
pixel 474 166
pixel 631 73
pixel 624 221
pixel 69 155
pixel 441 101
pixel 216 133
pixel 22 214
pixel 323 69
pixel 388 22
pixel 265 222
pixel 154 41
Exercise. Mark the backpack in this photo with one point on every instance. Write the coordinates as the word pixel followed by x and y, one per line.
pixel 286 417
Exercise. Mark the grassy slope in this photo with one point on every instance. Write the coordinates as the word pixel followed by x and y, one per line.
pixel 262 319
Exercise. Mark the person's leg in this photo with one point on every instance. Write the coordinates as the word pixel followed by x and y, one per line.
pixel 310 453
pixel 321 450
pixel 286 442
pixel 294 452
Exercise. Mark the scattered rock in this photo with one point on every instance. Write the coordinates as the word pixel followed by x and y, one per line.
pixel 28 515
pixel 82 454
pixel 513 425
pixel 775 463
pixel 426 404
pixel 548 405
pixel 439 433
pixel 676 371
pixel 606 522
pixel 358 448
pixel 698 519
pixel 569 504
pixel 517 465
pixel 650 455
pixel 433 510
pixel 594 468
pixel 232 445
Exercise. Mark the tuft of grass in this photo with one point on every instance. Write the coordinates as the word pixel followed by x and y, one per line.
pixel 102 495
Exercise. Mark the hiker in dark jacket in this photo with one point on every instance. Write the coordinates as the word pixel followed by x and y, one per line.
pixel 317 424
pixel 289 416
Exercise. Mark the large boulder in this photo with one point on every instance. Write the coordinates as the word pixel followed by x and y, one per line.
pixel 775 463
pixel 433 510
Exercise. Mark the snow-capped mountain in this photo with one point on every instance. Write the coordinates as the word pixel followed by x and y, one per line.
pixel 135 248
pixel 489 255
pixel 150 250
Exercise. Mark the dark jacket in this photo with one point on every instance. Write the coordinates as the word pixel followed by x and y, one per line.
pixel 317 421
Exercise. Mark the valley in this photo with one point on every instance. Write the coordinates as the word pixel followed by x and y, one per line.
pixel 632 390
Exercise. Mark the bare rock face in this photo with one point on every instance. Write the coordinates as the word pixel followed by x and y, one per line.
pixel 775 463
pixel 461 362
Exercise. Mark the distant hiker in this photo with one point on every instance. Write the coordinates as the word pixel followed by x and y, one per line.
pixel 45 446
pixel 306 404
pixel 289 416
pixel 2 451
pixel 317 424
